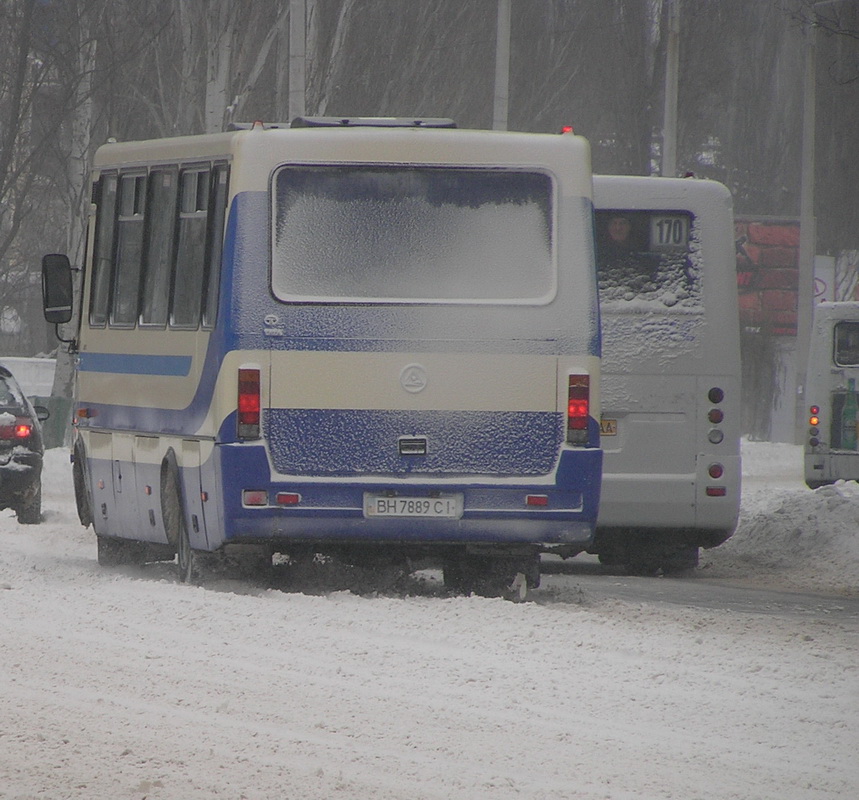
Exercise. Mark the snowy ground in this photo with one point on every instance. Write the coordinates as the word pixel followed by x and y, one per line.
pixel 127 684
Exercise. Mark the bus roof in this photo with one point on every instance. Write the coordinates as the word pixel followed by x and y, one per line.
pixel 630 191
pixel 261 148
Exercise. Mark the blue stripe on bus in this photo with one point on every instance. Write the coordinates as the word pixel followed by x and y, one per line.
pixel 134 364
pixel 360 442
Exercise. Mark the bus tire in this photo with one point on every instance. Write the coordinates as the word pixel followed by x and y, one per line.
pixel 680 561
pixel 510 577
pixel 81 486
pixel 188 561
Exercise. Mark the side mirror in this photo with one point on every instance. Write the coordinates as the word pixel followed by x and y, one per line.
pixel 42 413
pixel 57 290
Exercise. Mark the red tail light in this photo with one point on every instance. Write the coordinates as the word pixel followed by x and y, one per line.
pixel 814 418
pixel 578 409
pixel 249 404
pixel 21 429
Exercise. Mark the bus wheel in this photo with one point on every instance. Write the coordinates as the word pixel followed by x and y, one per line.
pixel 683 559
pixel 188 561
pixel 510 577
pixel 82 497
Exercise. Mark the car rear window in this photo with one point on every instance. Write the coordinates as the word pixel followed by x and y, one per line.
pixel 10 394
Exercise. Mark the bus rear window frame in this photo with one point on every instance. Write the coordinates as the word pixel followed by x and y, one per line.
pixel 835 348
pixel 345 300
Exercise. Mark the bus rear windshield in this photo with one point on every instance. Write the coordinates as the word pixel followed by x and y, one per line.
pixel 420 234
pixel 647 258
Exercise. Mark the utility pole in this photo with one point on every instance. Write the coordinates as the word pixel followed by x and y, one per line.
pixel 672 66
pixel 502 67
pixel 297 47
pixel 807 219
pixel 807 230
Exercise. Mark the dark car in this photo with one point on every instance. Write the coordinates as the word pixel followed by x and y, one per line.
pixel 21 451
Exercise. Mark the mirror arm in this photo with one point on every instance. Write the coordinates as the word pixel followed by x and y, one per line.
pixel 72 343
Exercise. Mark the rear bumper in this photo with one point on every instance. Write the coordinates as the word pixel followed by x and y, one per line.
pixel 674 500
pixel 494 511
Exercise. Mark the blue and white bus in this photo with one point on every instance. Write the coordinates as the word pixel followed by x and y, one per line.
pixel 376 339
pixel 670 371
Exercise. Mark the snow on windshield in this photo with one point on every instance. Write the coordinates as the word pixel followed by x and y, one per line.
pixel 650 277
pixel 413 234
pixel 642 267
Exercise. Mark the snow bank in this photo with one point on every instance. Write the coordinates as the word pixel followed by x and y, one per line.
pixel 787 533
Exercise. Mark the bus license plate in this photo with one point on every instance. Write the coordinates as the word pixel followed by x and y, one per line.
pixel 447 507
pixel 608 427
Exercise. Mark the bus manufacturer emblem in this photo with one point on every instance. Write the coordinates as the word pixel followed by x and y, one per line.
pixel 413 378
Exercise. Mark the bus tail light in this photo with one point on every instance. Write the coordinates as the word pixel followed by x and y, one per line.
pixel 814 416
pixel 249 404
pixel 254 497
pixel 578 409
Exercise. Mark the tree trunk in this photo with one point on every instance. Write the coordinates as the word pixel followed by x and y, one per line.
pixel 219 25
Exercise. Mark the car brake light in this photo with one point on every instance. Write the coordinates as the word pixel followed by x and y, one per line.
pixel 21 429
pixel 249 405
pixel 578 409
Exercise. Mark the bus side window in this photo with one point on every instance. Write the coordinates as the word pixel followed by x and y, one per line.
pixel 190 256
pixel 129 250
pixel 158 261
pixel 105 191
pixel 215 245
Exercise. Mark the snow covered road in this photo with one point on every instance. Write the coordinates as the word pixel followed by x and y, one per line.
pixel 127 684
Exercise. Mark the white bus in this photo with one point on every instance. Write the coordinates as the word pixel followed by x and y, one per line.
pixel 671 370
pixel 832 382
pixel 376 339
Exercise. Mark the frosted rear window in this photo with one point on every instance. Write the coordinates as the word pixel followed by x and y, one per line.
pixel 648 259
pixel 413 234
